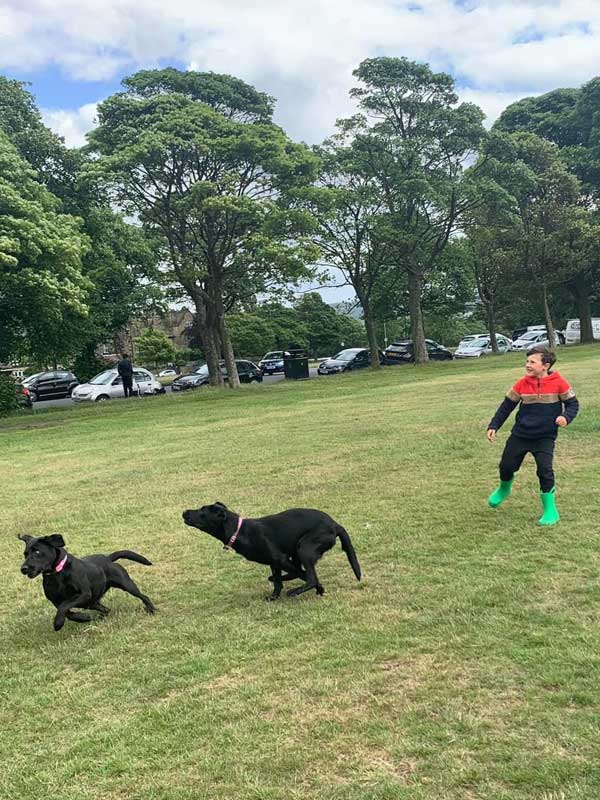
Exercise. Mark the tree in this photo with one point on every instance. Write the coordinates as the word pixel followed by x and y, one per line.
pixel 415 140
pixel 350 212
pixel 327 330
pixel 251 334
pixel 569 118
pixel 196 159
pixel 42 286
pixel 154 348
pixel 119 262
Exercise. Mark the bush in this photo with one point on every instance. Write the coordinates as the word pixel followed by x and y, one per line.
pixel 8 395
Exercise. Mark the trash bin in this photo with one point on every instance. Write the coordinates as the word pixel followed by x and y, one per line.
pixel 295 363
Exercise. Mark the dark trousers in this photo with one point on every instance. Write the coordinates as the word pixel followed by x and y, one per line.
pixel 515 451
pixel 127 385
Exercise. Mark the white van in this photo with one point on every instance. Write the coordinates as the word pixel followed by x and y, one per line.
pixel 572 330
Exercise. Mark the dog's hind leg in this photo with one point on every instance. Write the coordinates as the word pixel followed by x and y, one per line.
pixel 76 616
pixel 310 549
pixel 121 580
pixel 99 607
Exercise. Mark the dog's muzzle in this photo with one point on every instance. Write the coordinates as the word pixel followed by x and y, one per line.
pixel 29 572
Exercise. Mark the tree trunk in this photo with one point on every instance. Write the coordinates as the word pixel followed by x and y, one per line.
pixel 233 377
pixel 415 289
pixel 548 318
pixel 210 343
pixel 491 321
pixel 580 290
pixel 371 335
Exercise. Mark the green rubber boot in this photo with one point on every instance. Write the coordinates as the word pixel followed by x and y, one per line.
pixel 501 493
pixel 550 515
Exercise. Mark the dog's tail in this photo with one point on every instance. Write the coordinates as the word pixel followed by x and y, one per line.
pixel 349 550
pixel 131 556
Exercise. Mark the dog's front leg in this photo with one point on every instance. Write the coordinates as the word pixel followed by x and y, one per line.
pixel 61 611
pixel 275 577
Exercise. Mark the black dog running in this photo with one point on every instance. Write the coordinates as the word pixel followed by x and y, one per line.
pixel 71 582
pixel 291 542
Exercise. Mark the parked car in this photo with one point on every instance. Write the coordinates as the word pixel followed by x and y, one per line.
pixel 185 382
pixel 349 359
pixel 166 373
pixel 531 338
pixel 482 346
pixel 272 362
pixel 108 385
pixel 402 352
pixel 560 335
pixel 248 372
pixel 573 330
pixel 51 384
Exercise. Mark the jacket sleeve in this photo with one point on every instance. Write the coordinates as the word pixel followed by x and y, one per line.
pixel 570 403
pixel 506 407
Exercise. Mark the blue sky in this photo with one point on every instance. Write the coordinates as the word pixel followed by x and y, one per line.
pixel 75 52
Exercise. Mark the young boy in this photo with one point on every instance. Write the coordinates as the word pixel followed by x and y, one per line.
pixel 547 404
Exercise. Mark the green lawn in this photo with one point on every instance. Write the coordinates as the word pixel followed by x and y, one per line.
pixel 465 665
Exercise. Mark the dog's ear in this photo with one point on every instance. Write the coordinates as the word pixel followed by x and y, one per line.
pixel 218 503
pixel 25 537
pixel 55 539
pixel 221 511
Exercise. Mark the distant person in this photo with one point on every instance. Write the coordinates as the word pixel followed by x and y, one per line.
pixel 547 403
pixel 125 370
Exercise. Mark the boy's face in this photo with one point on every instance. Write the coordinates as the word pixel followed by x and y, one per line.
pixel 535 367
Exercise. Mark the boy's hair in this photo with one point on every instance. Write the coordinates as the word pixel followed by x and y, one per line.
pixel 548 357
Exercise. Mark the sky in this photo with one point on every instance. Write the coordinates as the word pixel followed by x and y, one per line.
pixel 74 53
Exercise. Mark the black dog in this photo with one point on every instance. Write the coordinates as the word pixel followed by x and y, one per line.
pixel 71 582
pixel 291 542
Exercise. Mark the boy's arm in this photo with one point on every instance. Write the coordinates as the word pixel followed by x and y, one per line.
pixel 570 403
pixel 505 409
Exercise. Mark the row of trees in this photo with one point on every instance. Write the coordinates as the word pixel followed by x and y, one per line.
pixel 187 190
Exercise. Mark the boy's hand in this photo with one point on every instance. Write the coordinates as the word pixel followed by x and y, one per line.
pixel 491 434
pixel 561 421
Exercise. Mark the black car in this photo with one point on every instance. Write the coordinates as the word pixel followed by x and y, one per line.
pixel 185 382
pixel 349 359
pixel 248 372
pixel 55 384
pixel 402 352
pixel 273 362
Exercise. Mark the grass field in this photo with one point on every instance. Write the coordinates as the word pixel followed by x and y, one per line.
pixel 465 665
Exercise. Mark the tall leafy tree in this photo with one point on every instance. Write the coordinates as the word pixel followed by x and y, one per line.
pixel 120 262
pixel 569 118
pixel 415 140
pixel 41 281
pixel 197 160
pixel 350 211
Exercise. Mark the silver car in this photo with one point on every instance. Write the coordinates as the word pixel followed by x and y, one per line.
pixel 531 338
pixel 478 346
pixel 108 385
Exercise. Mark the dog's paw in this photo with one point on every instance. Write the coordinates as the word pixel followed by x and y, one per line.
pixel 58 623
pixel 150 609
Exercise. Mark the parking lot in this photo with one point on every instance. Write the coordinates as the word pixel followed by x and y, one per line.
pixel 65 402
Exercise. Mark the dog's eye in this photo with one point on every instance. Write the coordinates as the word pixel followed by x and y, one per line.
pixel 37 552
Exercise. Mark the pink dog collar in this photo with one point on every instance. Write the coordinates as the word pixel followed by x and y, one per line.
pixel 231 542
pixel 61 564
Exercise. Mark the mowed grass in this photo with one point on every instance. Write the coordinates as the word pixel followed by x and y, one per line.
pixel 465 665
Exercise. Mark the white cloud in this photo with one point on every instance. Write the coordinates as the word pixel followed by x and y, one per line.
pixel 303 51
pixel 71 125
